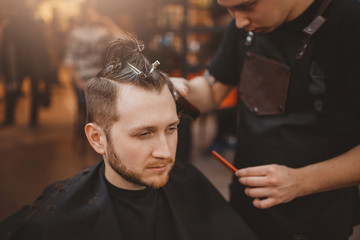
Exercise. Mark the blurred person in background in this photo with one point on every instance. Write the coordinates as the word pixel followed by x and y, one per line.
pixel 138 190
pixel 84 54
pixel 23 54
pixel 55 40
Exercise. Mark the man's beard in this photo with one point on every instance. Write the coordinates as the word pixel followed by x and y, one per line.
pixel 132 176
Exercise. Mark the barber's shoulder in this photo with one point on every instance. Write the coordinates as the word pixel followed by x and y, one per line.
pixel 345 10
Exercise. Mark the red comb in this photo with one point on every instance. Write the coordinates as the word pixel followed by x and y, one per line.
pixel 223 161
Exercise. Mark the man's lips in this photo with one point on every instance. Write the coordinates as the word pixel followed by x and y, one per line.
pixel 160 167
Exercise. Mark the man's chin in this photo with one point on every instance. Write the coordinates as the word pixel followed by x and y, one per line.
pixel 157 182
pixel 157 177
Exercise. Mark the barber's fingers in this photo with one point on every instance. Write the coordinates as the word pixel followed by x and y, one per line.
pixel 259 177
pixel 257 171
pixel 180 84
pixel 263 197
pixel 254 181
pixel 183 90
pixel 265 203
pixel 260 192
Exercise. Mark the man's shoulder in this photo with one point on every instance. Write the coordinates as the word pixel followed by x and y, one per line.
pixel 186 173
pixel 198 201
pixel 61 192
pixel 187 181
pixel 59 202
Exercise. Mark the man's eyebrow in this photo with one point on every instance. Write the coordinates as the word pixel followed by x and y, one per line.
pixel 142 127
pixel 149 127
pixel 243 4
pixel 175 122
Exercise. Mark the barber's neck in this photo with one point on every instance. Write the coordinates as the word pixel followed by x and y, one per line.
pixel 298 8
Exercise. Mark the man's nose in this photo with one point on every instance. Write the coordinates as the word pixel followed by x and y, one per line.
pixel 241 20
pixel 162 148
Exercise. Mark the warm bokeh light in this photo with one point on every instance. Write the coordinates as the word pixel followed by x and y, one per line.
pixel 64 10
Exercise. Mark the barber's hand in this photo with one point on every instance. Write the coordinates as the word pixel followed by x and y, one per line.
pixel 269 185
pixel 180 84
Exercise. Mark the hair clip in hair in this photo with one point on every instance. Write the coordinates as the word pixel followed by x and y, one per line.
pixel 113 65
pixel 140 47
pixel 137 71
pixel 109 67
pixel 154 66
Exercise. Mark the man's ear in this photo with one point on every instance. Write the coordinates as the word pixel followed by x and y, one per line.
pixel 96 137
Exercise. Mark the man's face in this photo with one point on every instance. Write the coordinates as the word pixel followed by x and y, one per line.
pixel 141 146
pixel 259 15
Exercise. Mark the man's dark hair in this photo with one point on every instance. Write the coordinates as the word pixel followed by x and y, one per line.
pixel 124 64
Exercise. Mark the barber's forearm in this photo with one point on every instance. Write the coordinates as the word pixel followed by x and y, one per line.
pixel 341 171
pixel 204 96
pixel 200 94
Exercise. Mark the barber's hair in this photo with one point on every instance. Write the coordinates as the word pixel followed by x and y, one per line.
pixel 125 64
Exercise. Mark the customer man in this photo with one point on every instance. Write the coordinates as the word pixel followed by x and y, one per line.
pixel 130 194
pixel 296 64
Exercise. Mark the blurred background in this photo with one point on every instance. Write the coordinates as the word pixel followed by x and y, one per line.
pixel 49 48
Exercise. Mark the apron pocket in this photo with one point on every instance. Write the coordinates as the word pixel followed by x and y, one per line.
pixel 264 84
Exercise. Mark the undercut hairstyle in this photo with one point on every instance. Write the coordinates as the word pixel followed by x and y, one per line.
pixel 125 64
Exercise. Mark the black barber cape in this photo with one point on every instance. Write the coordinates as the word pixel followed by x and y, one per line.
pixel 82 207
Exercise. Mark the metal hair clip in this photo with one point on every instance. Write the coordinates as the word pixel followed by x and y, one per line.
pixel 113 65
pixel 137 71
pixel 109 67
pixel 154 66
pixel 140 47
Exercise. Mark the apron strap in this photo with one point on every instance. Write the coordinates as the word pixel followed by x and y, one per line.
pixel 312 28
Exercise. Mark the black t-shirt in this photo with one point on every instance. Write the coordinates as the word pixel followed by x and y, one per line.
pixel 143 214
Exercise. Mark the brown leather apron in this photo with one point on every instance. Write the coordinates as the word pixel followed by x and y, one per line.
pixel 264 82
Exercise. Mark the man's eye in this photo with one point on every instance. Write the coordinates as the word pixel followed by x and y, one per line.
pixel 172 129
pixel 143 134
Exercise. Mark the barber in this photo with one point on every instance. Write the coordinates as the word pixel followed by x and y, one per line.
pixel 296 65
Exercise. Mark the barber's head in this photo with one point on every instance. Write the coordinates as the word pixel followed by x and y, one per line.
pixel 132 118
pixel 264 15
